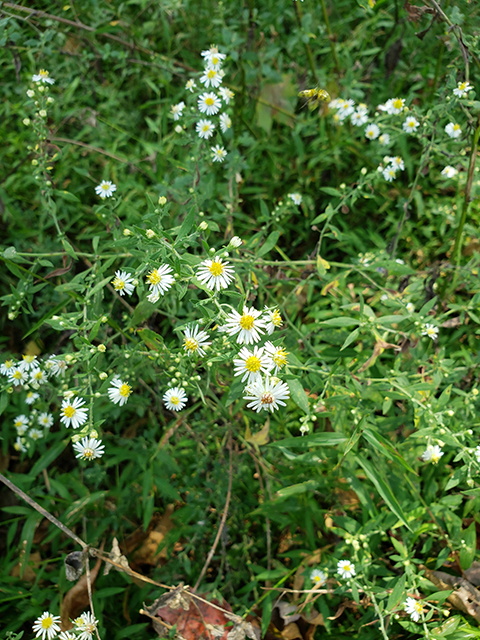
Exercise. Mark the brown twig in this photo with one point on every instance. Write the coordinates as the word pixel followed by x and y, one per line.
pixel 43 511
pixel 90 599
pixel 222 521
pixel 91 148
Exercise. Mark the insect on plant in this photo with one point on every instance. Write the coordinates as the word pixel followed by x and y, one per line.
pixel 313 97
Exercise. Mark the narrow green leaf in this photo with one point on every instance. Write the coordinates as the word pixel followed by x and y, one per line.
pixel 325 439
pixel 350 338
pixel 383 489
pixel 397 594
pixel 341 322
pixel 46 459
pixel 187 224
pixel 295 489
pixel 269 243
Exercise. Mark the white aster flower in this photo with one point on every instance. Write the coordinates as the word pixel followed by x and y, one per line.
pixel 389 173
pixel 215 274
pixel 251 364
pixel 45 420
pixel 346 569
pixel 384 139
pixel 119 392
pixel 21 445
pixel 105 189
pixel 73 413
pixel 37 376
pixel 67 635
pixel 225 122
pixel 160 280
pixel 176 110
pixel 410 307
pixel 7 367
pixel 359 117
pixel 235 242
pixel 46 625
pixel 462 89
pixel 35 434
pixel 392 106
pixel 266 394
pixel 205 129
pixel 249 326
pixel 190 86
pixel 449 172
pixel 195 341
pixel 42 76
pixel 87 627
pixel 345 109
pixel 226 94
pixel 28 363
pixel 318 577
pixel 372 131
pixel 21 424
pixel 123 283
pixel 410 125
pixel 212 55
pixel 453 130
pixel 16 376
pixel 277 355
pixel 209 103
pixel 31 397
pixel 296 198
pixel 336 103
pixel 396 162
pixel 211 78
pixel 56 366
pixel 89 449
pixel 175 399
pixel 218 153
pixel 430 330
pixel 413 608
pixel 432 453
pixel 273 320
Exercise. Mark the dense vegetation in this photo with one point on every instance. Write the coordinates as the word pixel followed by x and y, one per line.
pixel 240 321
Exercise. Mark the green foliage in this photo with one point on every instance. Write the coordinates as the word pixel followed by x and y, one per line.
pixel 365 241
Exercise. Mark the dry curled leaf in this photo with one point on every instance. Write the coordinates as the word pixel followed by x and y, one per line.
pixel 465 596
pixel 117 557
pixel 74 565
pixel 76 599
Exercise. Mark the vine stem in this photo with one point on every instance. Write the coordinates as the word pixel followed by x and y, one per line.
pixel 457 250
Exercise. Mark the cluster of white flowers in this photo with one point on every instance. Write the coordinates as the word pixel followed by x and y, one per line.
pixel 391 166
pixel 210 98
pixel 30 374
pixel 47 627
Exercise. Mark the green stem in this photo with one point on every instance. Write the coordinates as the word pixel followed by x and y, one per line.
pixel 330 36
pixel 311 61
pixel 457 250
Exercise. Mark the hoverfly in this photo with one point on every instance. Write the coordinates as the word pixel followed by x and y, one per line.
pixel 313 97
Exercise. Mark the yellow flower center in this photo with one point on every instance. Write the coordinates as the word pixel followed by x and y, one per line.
pixel 215 60
pixel 456 127
pixel 276 318
pixel 205 128
pixel 267 398
pixel 175 400
pixel 8 364
pixel 118 284
pixel 88 453
pixel 418 607
pixel 47 622
pixel 397 103
pixel 209 101
pixel 38 375
pixel 246 322
pixel 347 567
pixel 212 73
pixel 105 187
pixel 435 458
pixel 190 344
pixel 280 358
pixel 43 74
pixel 253 364
pixel 125 390
pixel 69 411
pixel 216 268
pixel 29 359
pixel 154 277
pixel 18 423
pixel 462 86
pixel 316 579
pixel 17 375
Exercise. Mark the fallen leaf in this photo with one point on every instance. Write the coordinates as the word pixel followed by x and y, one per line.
pixel 259 438
pixel 147 553
pixel 465 597
pixel 76 599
